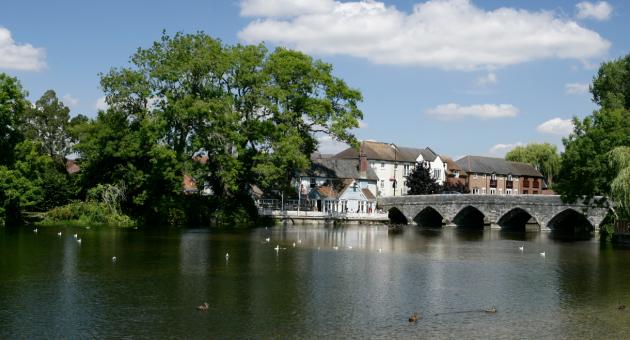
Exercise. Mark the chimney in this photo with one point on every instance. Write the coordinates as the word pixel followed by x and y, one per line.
pixel 363 164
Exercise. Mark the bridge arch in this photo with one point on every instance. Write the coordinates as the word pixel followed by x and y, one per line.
pixel 517 219
pixel 570 222
pixel 429 217
pixel 470 217
pixel 396 216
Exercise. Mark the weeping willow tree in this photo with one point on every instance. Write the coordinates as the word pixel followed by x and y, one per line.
pixel 620 186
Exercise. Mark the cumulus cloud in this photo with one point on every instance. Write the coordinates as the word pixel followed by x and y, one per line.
pixel 101 104
pixel 556 126
pixel 22 57
pixel 488 79
pixel 484 111
pixel 598 11
pixel 501 149
pixel 449 34
pixel 278 8
pixel 328 145
pixel 576 88
pixel 70 101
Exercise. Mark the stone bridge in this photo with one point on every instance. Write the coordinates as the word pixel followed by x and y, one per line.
pixel 516 212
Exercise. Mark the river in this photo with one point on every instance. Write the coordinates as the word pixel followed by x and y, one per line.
pixel 51 286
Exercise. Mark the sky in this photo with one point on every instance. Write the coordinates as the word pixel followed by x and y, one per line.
pixel 465 77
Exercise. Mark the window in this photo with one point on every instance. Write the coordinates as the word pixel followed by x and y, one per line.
pixel 406 168
pixel 437 173
pixel 525 192
pixel 475 191
pixel 483 191
pixel 382 165
pixel 508 191
pixel 382 184
pixel 313 182
pixel 395 166
pixel 355 187
pixel 456 174
pixel 509 177
pixel 493 191
pixel 534 192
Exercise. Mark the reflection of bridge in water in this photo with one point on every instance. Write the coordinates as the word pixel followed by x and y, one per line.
pixel 517 213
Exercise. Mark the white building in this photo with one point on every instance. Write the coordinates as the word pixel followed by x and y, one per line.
pixel 392 163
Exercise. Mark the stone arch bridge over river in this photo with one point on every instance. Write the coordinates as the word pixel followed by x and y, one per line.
pixel 517 212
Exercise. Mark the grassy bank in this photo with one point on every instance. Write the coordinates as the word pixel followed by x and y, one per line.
pixel 79 214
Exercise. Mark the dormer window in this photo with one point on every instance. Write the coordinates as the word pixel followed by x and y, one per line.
pixel 494 177
pixel 509 177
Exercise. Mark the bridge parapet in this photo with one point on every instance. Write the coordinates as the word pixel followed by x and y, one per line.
pixel 496 209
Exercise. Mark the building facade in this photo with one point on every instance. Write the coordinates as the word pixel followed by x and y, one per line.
pixel 496 176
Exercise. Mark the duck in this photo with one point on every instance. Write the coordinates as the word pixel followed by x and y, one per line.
pixel 268 239
pixel 59 233
pixel 521 248
pixel 542 254
pixel 79 241
pixel 293 244
pixel 491 310
pixel 621 307
pixel 227 256
pixel 76 235
pixel 203 307
pixel 114 259
pixel 414 317
pixel 35 230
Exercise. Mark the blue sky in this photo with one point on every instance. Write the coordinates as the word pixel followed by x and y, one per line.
pixel 464 77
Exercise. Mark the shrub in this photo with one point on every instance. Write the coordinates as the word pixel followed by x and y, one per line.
pixel 86 213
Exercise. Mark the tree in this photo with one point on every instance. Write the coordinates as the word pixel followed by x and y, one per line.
pixel 12 109
pixel 420 181
pixel 585 167
pixel 620 186
pixel 543 157
pixel 48 122
pixel 255 113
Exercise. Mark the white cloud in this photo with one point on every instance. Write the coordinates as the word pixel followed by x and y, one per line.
pixel 484 111
pixel 70 101
pixel 328 145
pixel 450 34
pixel 276 8
pixel 488 79
pixel 556 126
pixel 101 104
pixel 598 11
pixel 576 88
pixel 501 149
pixel 23 57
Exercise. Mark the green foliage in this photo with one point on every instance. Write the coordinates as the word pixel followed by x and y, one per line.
pixel 586 170
pixel 13 105
pixel 420 181
pixel 85 214
pixel 48 122
pixel 543 157
pixel 620 186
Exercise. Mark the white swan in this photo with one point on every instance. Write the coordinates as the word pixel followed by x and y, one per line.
pixel 277 248
pixel 59 233
pixel 76 235
pixel 35 230
pixel 542 254
pixel 114 259
pixel 268 239
pixel 227 256
pixel 521 248
pixel 79 240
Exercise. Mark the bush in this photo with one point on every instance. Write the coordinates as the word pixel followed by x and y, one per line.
pixel 86 213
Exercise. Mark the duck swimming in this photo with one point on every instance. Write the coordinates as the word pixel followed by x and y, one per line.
pixel 203 307
pixel 414 317
pixel 491 310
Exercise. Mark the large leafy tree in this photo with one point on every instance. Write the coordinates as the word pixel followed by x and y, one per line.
pixel 254 113
pixel 13 106
pixel 420 181
pixel 543 157
pixel 585 167
pixel 48 122
pixel 620 186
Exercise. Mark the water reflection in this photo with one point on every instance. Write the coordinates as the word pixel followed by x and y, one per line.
pixel 337 282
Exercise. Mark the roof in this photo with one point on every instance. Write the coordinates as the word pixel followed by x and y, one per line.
pixel 368 194
pixel 452 166
pixel 72 167
pixel 387 152
pixel 326 191
pixel 189 184
pixel 338 168
pixel 489 165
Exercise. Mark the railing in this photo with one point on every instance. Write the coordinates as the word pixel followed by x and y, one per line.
pixel 276 204
pixel 322 214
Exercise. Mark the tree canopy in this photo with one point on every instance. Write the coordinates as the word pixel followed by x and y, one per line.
pixel 585 167
pixel 543 157
pixel 420 181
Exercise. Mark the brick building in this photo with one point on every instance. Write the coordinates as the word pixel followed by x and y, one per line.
pixel 496 176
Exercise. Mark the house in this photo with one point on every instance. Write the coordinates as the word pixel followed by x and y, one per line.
pixel 338 185
pixel 392 163
pixel 455 175
pixel 496 176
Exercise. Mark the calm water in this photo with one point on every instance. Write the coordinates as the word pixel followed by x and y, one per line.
pixel 52 287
